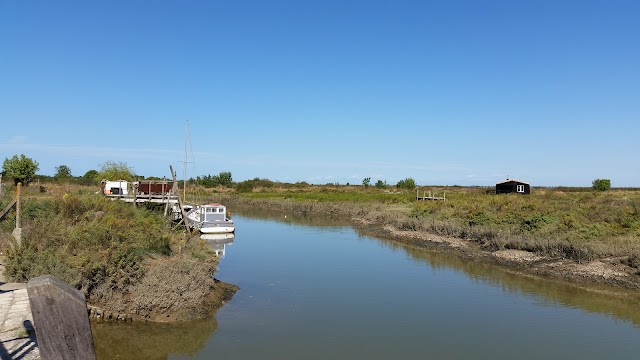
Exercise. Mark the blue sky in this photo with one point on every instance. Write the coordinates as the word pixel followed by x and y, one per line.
pixel 445 92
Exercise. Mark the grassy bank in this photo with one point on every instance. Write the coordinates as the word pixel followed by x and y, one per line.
pixel 126 259
pixel 575 224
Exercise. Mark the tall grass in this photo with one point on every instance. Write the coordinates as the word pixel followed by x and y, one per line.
pixel 87 240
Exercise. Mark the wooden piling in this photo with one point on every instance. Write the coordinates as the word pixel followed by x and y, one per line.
pixel 184 214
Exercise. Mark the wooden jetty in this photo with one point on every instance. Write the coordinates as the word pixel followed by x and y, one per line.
pixel 143 191
pixel 428 196
pixel 148 191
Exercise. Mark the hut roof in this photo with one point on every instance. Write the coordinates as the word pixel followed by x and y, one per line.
pixel 512 180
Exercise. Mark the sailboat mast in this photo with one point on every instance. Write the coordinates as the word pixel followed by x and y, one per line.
pixel 184 177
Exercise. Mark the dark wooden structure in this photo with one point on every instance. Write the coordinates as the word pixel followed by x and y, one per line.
pixel 513 186
pixel 60 318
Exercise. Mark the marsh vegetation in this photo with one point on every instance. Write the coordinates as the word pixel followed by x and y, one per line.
pixel 121 256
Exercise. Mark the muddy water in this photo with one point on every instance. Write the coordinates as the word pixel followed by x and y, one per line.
pixel 317 289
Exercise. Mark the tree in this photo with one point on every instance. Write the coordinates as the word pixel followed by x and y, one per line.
pixel 225 179
pixel 381 185
pixel 601 184
pixel 407 183
pixel 91 177
pixel 366 182
pixel 62 172
pixel 21 169
pixel 112 170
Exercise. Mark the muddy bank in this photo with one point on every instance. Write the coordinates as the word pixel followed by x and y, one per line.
pixel 610 272
pixel 391 222
pixel 172 289
pixel 217 297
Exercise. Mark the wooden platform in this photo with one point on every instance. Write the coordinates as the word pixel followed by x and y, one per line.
pixel 156 199
pixel 428 196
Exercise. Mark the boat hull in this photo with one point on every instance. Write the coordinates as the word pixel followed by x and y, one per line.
pixel 216 229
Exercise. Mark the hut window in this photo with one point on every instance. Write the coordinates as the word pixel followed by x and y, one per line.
pixel 520 188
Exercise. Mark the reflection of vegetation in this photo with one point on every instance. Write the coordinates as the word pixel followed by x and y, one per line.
pixel 622 304
pixel 142 340
pixel 294 218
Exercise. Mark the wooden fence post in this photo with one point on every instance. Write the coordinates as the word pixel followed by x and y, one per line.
pixel 60 318
pixel 17 232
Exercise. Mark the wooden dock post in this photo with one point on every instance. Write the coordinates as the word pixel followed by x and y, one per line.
pixel 184 213
pixel 17 232
pixel 60 318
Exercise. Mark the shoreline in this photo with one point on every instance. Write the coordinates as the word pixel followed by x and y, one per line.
pixel 600 275
pixel 608 275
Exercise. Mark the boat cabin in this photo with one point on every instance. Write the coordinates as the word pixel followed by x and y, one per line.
pixel 213 213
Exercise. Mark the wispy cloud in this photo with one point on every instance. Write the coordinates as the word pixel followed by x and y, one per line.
pixel 18 145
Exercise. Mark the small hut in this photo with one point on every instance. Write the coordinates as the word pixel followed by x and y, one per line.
pixel 513 186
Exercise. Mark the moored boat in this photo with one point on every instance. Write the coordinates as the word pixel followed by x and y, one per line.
pixel 211 219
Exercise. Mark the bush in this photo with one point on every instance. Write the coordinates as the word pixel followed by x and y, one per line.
pixel 87 241
pixel 222 179
pixel 111 170
pixel 407 183
pixel 245 187
pixel 601 184
pixel 381 185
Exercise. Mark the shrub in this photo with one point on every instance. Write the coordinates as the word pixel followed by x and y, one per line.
pixel 63 172
pixel 111 170
pixel 601 184
pixel 407 183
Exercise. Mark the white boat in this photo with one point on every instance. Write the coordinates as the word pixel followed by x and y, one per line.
pixel 211 219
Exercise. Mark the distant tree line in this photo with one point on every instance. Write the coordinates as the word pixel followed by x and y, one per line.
pixel 23 169
pixel 407 183
pixel 222 179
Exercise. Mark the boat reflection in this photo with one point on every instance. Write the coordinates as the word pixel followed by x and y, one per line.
pixel 218 242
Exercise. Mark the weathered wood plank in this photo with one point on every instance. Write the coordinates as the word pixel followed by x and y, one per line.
pixel 6 209
pixel 60 319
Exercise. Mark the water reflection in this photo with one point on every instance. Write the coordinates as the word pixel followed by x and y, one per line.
pixel 293 218
pixel 372 298
pixel 143 340
pixel 616 302
pixel 619 303
pixel 218 242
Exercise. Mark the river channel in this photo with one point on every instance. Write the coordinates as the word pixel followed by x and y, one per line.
pixel 315 288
